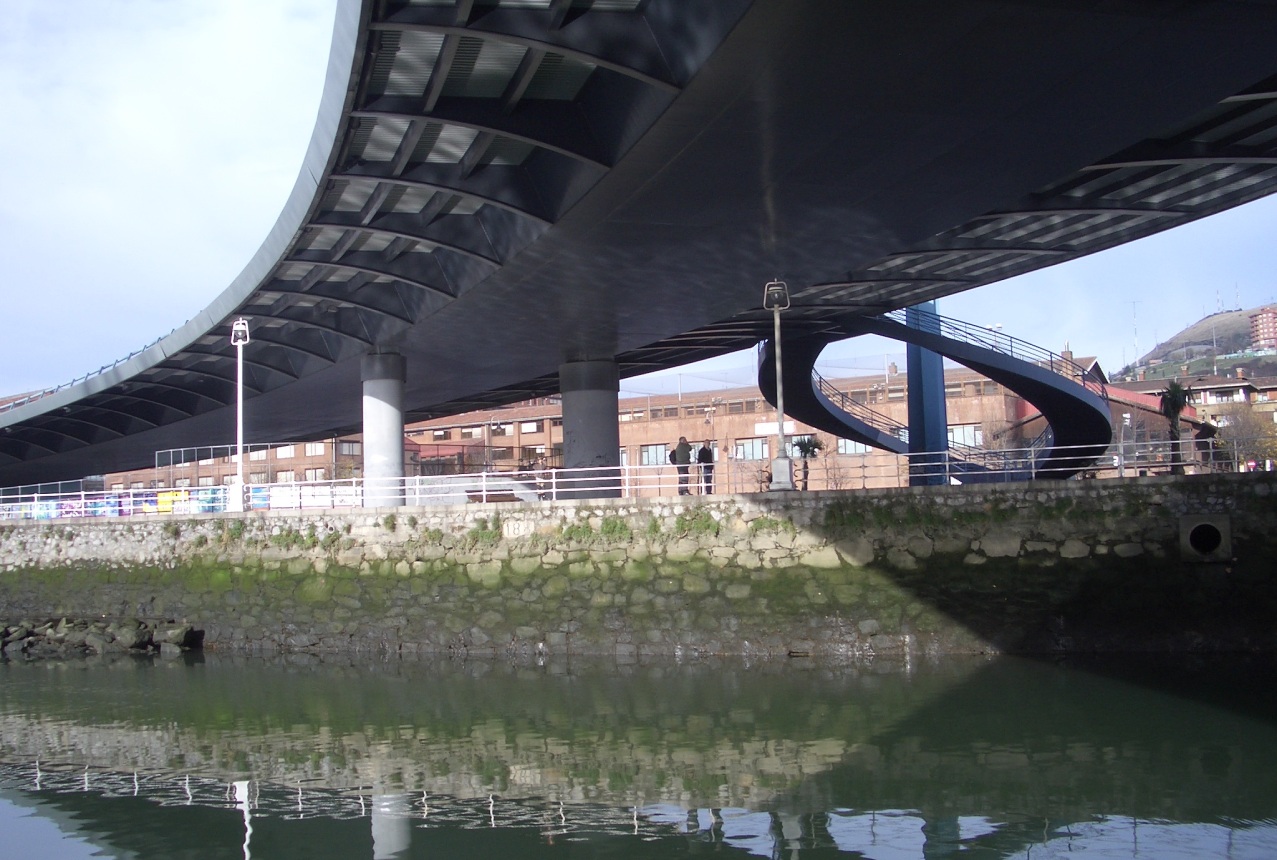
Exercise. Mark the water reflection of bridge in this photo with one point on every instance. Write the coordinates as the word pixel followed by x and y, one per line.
pixel 765 757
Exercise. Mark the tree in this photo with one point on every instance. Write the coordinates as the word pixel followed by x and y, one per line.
pixel 1248 433
pixel 1173 401
pixel 807 446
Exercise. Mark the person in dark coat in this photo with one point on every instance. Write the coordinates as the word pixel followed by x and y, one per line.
pixel 705 459
pixel 682 457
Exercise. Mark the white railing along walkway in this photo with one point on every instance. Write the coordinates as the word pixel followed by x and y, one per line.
pixel 829 472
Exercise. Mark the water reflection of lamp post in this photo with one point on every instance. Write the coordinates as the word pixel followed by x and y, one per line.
pixel 776 299
pixel 239 337
pixel 242 801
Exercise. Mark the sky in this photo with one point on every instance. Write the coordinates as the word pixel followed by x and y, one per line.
pixel 152 145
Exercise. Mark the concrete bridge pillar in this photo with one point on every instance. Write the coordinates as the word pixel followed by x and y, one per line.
pixel 591 436
pixel 391 826
pixel 928 417
pixel 383 375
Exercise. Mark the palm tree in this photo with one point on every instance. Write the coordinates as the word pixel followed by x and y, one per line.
pixel 807 447
pixel 1173 401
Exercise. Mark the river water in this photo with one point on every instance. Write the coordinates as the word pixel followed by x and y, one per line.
pixel 222 757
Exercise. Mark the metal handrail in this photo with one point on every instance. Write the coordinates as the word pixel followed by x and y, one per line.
pixel 962 452
pixel 37 395
pixel 859 410
pixel 832 471
pixel 1003 344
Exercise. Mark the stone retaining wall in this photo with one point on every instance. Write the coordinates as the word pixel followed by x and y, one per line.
pixel 848 575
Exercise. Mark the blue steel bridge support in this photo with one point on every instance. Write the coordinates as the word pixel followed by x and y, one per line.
pixel 928 417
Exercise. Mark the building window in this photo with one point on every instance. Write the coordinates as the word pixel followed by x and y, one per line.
pixel 285 452
pixel 315 449
pixel 502 429
pixel 121 486
pixel 442 435
pixel 503 453
pixel 206 480
pixel 350 449
pixel 471 432
pixel 654 455
pixel 556 422
pixel 970 435
pixel 136 485
pixel 791 445
pixel 284 476
pixel 259 454
pixel 208 461
pixel 751 449
pixel 182 482
pixel 847 446
pixel 315 474
pixel 257 477
pixel 532 427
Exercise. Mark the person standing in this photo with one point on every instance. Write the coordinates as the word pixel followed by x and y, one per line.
pixel 705 458
pixel 682 457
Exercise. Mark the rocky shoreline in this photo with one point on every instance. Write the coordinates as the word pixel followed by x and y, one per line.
pixel 66 637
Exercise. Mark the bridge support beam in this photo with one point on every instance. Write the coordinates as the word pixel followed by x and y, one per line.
pixel 383 376
pixel 928 417
pixel 591 436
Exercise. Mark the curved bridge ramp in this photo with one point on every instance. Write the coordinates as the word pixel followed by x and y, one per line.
pixel 815 402
pixel 820 405
pixel 1072 402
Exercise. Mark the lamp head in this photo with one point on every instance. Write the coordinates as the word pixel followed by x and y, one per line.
pixel 776 296
pixel 239 332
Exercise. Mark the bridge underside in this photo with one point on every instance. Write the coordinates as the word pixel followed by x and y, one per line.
pixel 494 190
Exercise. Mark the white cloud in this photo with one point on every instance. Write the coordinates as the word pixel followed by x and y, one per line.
pixel 152 145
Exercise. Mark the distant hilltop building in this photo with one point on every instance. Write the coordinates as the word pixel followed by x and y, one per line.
pixel 1263 328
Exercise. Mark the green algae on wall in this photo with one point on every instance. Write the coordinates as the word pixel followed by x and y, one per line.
pixel 1070 566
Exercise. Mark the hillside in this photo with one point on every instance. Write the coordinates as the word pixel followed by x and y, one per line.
pixel 1218 334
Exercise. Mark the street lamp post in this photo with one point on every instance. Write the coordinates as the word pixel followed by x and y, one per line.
pixel 239 337
pixel 1121 444
pixel 776 299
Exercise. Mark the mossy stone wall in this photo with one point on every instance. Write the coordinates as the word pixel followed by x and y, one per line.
pixel 1073 566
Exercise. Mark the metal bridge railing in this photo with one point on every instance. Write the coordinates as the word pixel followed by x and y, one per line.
pixel 860 411
pixel 984 458
pixel 1002 343
pixel 36 395
pixel 826 472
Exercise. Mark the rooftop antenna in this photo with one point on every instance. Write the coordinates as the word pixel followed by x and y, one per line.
pixel 1214 350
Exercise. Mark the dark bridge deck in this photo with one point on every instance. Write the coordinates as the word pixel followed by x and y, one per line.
pixel 493 191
